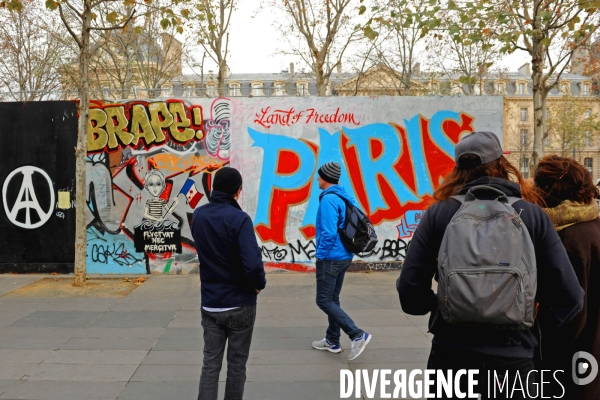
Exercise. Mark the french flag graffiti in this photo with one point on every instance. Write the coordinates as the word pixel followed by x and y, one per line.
pixel 190 192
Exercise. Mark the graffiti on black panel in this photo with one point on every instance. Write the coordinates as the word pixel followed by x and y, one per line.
pixel 159 231
pixel 30 209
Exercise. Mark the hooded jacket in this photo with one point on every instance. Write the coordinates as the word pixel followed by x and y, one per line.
pixel 231 267
pixel 582 333
pixel 559 293
pixel 331 216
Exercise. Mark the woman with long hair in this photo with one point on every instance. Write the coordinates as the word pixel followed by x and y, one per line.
pixel 568 196
pixel 487 347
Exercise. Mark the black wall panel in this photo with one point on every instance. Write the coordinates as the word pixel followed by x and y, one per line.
pixel 37 141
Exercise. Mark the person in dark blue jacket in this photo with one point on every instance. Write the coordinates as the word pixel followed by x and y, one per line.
pixel 479 161
pixel 332 261
pixel 231 275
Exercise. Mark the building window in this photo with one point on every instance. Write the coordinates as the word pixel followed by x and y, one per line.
pixel 588 163
pixel 521 88
pixel 167 91
pixel 523 114
pixel 525 167
pixel 547 141
pixel 585 89
pixel 564 87
pixel 435 87
pixel 106 92
pixel 588 113
pixel 523 137
pixel 303 89
pixel 500 88
pixel 279 89
pixel 256 89
pixel 211 91
pixel 188 91
pixel 589 141
pixel 234 90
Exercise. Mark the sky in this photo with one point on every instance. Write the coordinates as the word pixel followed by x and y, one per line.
pixel 254 43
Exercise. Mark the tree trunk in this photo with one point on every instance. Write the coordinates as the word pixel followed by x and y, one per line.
pixel 128 77
pixel 320 75
pixel 539 92
pixel 539 119
pixel 81 149
pixel 221 77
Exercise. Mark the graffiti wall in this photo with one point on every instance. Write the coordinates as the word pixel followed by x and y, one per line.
pixel 394 152
pixel 151 163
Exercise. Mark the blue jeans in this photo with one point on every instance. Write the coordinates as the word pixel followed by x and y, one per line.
pixel 330 277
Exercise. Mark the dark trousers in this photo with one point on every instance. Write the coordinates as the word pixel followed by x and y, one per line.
pixel 330 277
pixel 444 359
pixel 235 328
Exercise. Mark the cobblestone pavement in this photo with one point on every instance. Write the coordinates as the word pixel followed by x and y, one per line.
pixel 148 345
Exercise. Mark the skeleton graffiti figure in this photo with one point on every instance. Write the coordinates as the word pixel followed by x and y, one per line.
pixel 155 184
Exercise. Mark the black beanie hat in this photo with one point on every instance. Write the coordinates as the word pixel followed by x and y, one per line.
pixel 227 180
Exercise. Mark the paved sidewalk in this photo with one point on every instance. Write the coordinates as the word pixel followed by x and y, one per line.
pixel 148 345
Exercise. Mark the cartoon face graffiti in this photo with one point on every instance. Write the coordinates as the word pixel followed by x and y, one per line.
pixel 160 190
pixel 157 233
pixel 155 183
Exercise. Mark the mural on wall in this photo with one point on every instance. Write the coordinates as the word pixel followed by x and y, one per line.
pixel 394 153
pixel 151 163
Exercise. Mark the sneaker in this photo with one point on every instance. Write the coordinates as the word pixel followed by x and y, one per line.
pixel 327 345
pixel 358 345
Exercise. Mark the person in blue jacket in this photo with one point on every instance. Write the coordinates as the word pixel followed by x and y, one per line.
pixel 332 261
pixel 231 276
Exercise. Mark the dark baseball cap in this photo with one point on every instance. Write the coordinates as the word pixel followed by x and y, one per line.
pixel 486 145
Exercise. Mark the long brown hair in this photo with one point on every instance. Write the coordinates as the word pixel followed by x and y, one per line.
pixel 470 168
pixel 559 178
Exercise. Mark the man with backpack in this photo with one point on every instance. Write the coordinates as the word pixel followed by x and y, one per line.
pixel 495 256
pixel 333 258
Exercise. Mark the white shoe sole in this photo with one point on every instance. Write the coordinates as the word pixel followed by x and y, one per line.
pixel 328 349
pixel 362 348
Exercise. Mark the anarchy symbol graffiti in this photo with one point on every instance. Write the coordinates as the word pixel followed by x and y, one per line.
pixel 27 199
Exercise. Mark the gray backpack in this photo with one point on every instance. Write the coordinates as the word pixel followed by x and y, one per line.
pixel 486 265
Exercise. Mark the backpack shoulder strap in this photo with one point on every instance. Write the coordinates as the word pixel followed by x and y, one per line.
pixel 341 197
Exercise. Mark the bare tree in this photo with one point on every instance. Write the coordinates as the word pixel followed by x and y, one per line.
pixel 395 39
pixel 211 24
pixel 79 16
pixel 462 59
pixel 317 31
pixel 30 53
pixel 144 54
pixel 549 31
